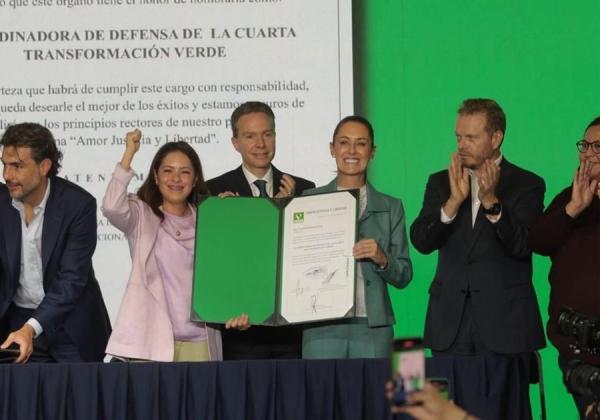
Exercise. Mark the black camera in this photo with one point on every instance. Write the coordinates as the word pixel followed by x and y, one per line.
pixel 584 328
pixel 580 378
pixel 583 379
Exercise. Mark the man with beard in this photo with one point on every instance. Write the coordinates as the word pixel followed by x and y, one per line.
pixel 477 216
pixel 569 233
pixel 50 301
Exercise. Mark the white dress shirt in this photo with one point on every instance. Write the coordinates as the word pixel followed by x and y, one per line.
pixel 31 279
pixel 360 306
pixel 251 178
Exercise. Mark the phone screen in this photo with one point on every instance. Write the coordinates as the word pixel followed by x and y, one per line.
pixel 408 367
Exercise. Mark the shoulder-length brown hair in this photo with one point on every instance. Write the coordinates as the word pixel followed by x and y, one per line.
pixel 149 192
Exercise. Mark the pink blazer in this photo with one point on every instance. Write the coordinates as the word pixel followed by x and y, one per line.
pixel 143 328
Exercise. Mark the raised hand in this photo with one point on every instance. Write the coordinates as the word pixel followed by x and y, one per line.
pixel 487 178
pixel 132 145
pixel 459 186
pixel 583 190
pixel 287 188
pixel 133 140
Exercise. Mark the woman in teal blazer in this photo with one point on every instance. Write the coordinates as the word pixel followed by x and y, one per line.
pixel 381 253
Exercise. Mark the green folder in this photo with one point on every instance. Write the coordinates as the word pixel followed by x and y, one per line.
pixel 237 259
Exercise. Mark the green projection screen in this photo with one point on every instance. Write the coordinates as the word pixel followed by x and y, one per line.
pixel 416 60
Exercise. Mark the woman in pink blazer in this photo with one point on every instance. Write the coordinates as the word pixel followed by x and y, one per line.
pixel 159 221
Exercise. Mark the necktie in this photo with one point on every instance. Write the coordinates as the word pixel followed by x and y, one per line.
pixel 261 184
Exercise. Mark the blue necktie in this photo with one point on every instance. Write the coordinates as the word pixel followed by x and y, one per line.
pixel 261 184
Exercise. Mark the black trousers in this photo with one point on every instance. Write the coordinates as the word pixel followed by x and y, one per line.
pixel 468 343
pixel 259 343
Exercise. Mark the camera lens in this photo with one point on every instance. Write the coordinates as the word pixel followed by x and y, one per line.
pixel 569 322
pixel 583 379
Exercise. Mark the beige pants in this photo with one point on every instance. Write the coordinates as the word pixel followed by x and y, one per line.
pixel 191 351
pixel 184 352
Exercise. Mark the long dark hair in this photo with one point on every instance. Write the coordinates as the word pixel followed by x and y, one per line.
pixel 149 192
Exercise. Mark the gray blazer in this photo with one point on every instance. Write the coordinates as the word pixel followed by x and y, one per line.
pixel 383 220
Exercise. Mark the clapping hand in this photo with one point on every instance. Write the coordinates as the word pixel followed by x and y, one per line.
pixel 459 186
pixel 583 190
pixel 287 188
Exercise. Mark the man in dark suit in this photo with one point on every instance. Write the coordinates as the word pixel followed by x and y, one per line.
pixel 253 126
pixel 50 301
pixel 477 214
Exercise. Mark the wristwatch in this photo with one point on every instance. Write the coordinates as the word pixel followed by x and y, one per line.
pixel 494 210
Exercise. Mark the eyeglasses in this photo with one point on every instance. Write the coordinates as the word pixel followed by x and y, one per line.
pixel 583 146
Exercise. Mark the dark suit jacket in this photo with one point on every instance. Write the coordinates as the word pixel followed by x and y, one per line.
pixel 243 343
pixel 494 260
pixel 236 182
pixel 72 295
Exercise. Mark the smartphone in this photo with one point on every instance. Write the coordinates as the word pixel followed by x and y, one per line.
pixel 9 355
pixel 408 367
pixel 442 385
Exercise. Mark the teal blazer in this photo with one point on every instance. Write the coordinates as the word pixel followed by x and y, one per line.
pixel 383 220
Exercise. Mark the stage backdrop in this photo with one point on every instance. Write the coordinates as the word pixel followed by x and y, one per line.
pixel 417 60
pixel 92 70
